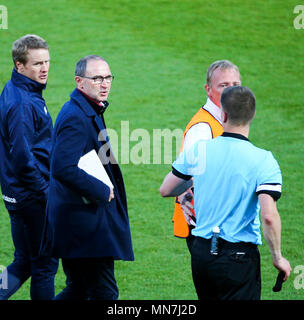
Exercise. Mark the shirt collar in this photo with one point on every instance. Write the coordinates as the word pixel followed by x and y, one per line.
pixel 213 109
pixel 99 107
pixel 235 135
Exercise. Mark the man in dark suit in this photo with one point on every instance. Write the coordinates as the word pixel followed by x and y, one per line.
pixel 88 219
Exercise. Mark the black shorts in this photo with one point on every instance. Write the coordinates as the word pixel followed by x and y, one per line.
pixel 233 274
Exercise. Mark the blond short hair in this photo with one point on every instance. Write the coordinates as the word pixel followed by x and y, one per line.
pixel 22 45
pixel 220 64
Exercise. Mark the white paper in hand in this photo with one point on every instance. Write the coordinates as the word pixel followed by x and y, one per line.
pixel 92 165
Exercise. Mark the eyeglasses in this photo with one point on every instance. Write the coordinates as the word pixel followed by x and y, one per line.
pixel 100 79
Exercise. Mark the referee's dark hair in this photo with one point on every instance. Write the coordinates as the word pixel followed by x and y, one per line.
pixel 239 104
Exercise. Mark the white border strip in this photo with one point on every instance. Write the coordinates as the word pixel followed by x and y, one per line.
pixel 269 187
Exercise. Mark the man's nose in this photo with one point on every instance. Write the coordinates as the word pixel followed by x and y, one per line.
pixel 104 84
pixel 45 67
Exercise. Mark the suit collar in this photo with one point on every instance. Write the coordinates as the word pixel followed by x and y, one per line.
pixel 89 106
pixel 99 107
pixel 84 105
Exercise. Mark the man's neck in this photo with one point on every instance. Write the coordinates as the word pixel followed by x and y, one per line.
pixel 243 130
pixel 212 108
pixel 99 103
pixel 213 103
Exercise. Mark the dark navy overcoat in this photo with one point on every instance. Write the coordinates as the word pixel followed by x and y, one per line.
pixel 82 222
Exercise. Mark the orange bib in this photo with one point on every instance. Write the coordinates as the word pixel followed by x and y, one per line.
pixel 181 228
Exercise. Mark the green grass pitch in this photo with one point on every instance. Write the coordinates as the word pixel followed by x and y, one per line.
pixel 159 51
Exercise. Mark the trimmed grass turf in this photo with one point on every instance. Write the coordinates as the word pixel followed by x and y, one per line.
pixel 159 52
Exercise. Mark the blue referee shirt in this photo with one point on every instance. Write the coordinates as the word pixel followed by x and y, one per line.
pixel 229 172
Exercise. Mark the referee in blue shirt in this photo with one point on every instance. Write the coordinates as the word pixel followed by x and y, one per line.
pixel 233 181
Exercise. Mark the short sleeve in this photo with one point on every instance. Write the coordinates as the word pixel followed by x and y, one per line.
pixel 180 175
pixel 270 178
pixel 192 161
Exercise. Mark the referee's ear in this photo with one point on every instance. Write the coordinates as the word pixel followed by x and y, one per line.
pixel 224 116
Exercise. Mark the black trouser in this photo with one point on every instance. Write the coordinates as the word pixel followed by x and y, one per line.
pixel 89 278
pixel 234 274
pixel 190 238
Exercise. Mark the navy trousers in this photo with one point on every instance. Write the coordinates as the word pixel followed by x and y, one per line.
pixel 27 229
pixel 89 279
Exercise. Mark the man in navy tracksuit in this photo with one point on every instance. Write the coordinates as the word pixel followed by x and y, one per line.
pixel 25 145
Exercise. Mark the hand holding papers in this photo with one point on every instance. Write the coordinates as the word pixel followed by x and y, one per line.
pixel 92 165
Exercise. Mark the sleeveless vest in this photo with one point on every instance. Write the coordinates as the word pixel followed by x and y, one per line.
pixel 181 228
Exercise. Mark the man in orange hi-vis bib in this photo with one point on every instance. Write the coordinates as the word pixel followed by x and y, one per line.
pixel 206 124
